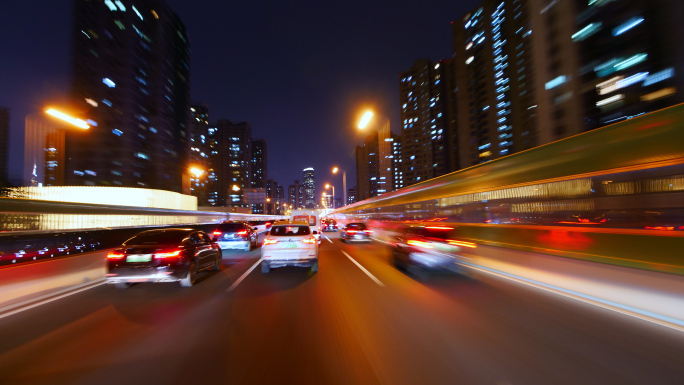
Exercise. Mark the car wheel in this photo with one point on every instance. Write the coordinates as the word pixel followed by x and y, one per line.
pixel 189 279
pixel 265 268
pixel 122 285
pixel 217 264
pixel 314 268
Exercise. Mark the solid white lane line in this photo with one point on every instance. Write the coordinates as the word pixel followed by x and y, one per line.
pixel 51 299
pixel 243 276
pixel 380 240
pixel 363 269
pixel 328 239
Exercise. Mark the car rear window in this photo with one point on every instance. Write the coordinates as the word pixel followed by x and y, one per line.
pixel 281 231
pixel 356 226
pixel 227 227
pixel 166 237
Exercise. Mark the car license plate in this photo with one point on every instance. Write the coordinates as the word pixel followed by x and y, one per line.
pixel 139 258
pixel 291 245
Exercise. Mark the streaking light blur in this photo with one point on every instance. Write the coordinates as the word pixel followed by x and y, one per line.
pixel 60 115
pixel 365 119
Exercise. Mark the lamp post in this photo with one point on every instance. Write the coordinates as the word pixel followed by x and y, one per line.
pixel 344 184
pixel 327 186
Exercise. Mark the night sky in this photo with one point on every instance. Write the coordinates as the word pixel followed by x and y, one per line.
pixel 299 72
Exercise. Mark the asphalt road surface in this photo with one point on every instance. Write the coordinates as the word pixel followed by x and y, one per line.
pixel 357 321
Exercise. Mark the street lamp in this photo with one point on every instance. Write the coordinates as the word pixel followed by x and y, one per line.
pixel 69 119
pixel 365 119
pixel 327 186
pixel 197 172
pixel 344 183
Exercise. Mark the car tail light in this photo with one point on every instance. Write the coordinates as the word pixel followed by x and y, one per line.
pixel 440 227
pixel 310 241
pixel 168 254
pixel 369 231
pixel 217 233
pixel 352 231
pixel 243 232
pixel 270 241
pixel 422 244
pixel 116 255
pixel 462 243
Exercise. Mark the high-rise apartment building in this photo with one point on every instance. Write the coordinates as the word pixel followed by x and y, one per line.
pixel 426 121
pixel 198 152
pixel 397 163
pixel 352 196
pixel 295 195
pixel 497 84
pixel 309 188
pixel 4 144
pixel 280 200
pixel 259 172
pixel 230 157
pixel 374 162
pixel 631 60
pixel 43 151
pixel 131 75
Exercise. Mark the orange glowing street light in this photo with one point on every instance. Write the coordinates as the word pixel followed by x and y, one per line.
pixel 335 170
pixel 197 172
pixel 365 119
pixel 69 119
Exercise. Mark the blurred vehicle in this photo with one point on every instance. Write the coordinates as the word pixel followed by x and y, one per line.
pixel 419 249
pixel 236 235
pixel 356 232
pixel 290 244
pixel 167 255
pixel 329 225
pixel 261 226
pixel 310 217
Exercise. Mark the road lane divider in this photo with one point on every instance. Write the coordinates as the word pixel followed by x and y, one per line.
pixel 328 239
pixel 368 273
pixel 19 307
pixel 243 276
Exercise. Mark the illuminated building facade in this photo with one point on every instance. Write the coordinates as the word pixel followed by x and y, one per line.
pixel 295 195
pixel 259 171
pixel 309 188
pixel 198 151
pixel 426 122
pixel 131 75
pixel 230 157
pixel 397 162
pixel 631 59
pixel 43 151
pixel 374 162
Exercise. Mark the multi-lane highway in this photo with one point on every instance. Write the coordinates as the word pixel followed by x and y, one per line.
pixel 357 321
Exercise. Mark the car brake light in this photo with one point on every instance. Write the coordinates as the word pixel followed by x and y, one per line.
pixel 440 227
pixel 217 233
pixel 462 243
pixel 311 240
pixel 352 231
pixel 168 254
pixel 270 241
pixel 422 244
pixel 369 231
pixel 243 232
pixel 116 255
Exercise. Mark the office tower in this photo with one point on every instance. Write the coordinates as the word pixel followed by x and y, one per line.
pixel 131 75
pixel 43 151
pixel 631 60
pixel 258 171
pixel 374 163
pixel 273 196
pixel 4 144
pixel 309 188
pixel 198 152
pixel 426 121
pixel 230 156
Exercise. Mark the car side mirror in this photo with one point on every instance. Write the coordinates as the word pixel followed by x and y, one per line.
pixel 315 232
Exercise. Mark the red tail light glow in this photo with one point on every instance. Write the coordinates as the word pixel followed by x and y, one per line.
pixel 422 244
pixel 310 241
pixel 352 231
pixel 243 232
pixel 462 243
pixel 116 256
pixel 168 254
pixel 217 233
pixel 440 228
pixel 270 241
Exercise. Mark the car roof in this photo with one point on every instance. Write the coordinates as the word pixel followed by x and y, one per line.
pixel 285 223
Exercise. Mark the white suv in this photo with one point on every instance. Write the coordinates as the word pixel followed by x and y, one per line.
pixel 290 244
